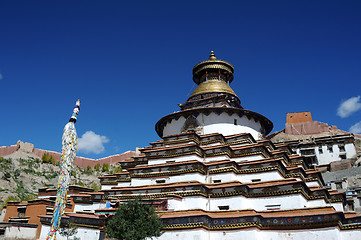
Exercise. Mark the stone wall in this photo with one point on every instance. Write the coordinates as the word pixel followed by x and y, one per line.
pixel 4 151
pixel 84 162
pixel 341 165
pixel 79 161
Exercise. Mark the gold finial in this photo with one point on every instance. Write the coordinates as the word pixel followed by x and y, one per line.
pixel 212 56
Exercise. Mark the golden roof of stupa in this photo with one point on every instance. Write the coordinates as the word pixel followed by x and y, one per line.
pixel 213 86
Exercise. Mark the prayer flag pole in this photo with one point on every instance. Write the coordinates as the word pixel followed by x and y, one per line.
pixel 70 144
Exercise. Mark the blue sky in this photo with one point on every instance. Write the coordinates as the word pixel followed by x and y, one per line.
pixel 130 63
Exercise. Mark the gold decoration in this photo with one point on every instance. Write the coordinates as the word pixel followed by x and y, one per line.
pixel 213 86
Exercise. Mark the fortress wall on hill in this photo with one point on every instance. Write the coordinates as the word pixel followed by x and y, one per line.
pixel 79 161
pixel 4 151
pixel 84 162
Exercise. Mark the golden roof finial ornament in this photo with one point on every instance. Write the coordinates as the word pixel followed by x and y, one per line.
pixel 212 56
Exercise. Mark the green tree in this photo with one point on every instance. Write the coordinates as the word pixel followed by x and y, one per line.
pixel 97 167
pixel 105 167
pixel 9 199
pixel 47 158
pixel 118 169
pixel 95 187
pixel 88 170
pixel 68 230
pixel 134 221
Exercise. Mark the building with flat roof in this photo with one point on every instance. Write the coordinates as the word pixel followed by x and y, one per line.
pixel 324 146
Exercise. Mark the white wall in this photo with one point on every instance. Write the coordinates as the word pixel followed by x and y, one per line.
pixel 14 232
pixel 214 123
pixel 350 234
pixel 106 187
pixel 246 178
pixel 306 234
pixel 286 202
pixel 338 206
pixel 196 234
pixel 332 233
pixel 175 159
pixel 248 158
pixel 2 214
pixel 313 184
pixel 118 184
pixel 217 158
pixel 170 179
pixel 188 203
pixel 83 233
pixel 88 207
pixel 326 157
pixel 350 150
pixel 224 177
pixel 207 159
pixel 124 184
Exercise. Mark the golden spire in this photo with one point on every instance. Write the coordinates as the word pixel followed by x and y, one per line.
pixel 212 56
pixel 213 76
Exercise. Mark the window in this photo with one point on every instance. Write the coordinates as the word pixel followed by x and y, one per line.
pixel 308 152
pixel 339 185
pixel 343 156
pixel 330 148
pixel 256 180
pixel 160 181
pixel 235 122
pixel 342 148
pixel 350 206
pixel 314 160
pixel 21 211
pixel 320 149
pixel 273 207
pixel 226 207
pixel 217 181
pixel 49 211
pixel 350 192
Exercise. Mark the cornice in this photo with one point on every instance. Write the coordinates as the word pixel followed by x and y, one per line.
pixel 267 124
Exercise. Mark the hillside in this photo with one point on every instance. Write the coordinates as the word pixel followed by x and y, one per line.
pixel 23 173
